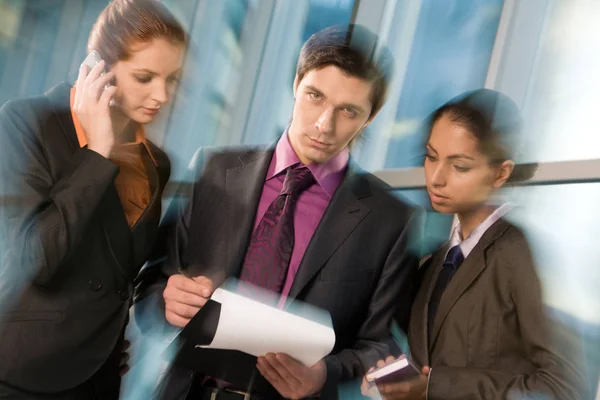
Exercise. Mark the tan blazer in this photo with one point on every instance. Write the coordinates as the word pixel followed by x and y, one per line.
pixel 492 337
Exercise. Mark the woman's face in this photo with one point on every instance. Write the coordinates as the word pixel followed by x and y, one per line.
pixel 147 80
pixel 459 177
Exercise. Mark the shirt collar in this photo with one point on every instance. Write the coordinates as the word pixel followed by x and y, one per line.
pixel 82 140
pixel 328 175
pixel 467 245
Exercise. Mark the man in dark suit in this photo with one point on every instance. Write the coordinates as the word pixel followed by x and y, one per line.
pixel 299 220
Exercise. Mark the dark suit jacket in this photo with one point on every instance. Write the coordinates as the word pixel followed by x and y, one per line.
pixel 492 337
pixel 68 256
pixel 358 265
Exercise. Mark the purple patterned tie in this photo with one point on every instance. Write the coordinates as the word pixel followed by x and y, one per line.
pixel 268 256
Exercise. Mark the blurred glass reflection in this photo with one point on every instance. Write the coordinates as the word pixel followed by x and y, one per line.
pixel 237 88
pixel 442 48
pixel 562 97
pixel 563 231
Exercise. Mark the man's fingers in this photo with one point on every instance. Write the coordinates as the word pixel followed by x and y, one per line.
pixel 390 359
pixel 182 310
pixel 287 368
pixel 381 363
pixel 204 282
pixel 180 296
pixel 267 370
pixel 174 294
pixel 176 320
pixel 184 297
pixel 190 285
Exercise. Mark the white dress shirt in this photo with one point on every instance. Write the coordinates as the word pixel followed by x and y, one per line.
pixel 467 245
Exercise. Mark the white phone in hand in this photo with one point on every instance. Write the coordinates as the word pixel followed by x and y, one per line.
pixel 91 60
pixel 397 371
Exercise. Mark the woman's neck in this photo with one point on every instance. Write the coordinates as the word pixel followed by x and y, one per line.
pixel 124 128
pixel 471 219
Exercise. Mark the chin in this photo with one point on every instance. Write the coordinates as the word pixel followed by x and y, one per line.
pixel 316 156
pixel 142 118
pixel 443 208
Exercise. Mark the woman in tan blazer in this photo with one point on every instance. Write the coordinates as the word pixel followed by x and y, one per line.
pixel 478 328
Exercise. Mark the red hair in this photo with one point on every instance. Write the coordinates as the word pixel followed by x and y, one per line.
pixel 124 23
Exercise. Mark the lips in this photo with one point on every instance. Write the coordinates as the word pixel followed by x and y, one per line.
pixel 150 111
pixel 318 144
pixel 437 198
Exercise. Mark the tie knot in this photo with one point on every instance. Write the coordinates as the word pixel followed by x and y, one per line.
pixel 296 180
pixel 454 257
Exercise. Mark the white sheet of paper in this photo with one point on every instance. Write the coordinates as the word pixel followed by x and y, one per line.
pixel 255 328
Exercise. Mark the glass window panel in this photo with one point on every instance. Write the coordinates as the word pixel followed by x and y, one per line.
pixel 561 103
pixel 449 52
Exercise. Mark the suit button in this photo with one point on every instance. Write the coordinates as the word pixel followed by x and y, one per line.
pixel 95 285
pixel 123 294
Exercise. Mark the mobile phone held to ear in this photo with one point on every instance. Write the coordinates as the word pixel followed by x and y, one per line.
pixel 397 371
pixel 91 60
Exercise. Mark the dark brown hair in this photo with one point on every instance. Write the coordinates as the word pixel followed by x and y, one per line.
pixel 495 121
pixel 355 50
pixel 124 23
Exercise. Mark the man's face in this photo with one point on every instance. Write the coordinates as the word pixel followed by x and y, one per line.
pixel 331 109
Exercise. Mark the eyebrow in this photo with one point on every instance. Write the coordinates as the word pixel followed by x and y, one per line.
pixel 144 70
pixel 345 105
pixel 152 72
pixel 453 156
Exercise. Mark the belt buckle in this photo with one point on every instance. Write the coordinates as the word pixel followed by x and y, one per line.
pixel 247 395
pixel 214 395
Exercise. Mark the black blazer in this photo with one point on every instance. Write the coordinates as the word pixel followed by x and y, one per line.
pixel 68 256
pixel 358 265
pixel 492 337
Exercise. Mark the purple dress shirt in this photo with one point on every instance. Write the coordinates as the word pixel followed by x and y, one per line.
pixel 311 204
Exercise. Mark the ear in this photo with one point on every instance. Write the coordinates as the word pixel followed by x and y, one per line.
pixel 503 173
pixel 371 118
pixel 296 83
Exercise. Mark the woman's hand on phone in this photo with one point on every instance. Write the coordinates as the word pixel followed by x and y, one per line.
pixel 413 389
pixel 91 106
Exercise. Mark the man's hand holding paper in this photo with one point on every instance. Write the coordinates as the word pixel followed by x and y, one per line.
pixel 292 379
pixel 184 297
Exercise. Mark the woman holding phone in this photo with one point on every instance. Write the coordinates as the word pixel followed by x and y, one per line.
pixel 478 327
pixel 80 208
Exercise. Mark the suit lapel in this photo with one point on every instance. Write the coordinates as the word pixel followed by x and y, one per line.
pixel 116 230
pixel 418 325
pixel 468 272
pixel 244 184
pixel 143 230
pixel 344 213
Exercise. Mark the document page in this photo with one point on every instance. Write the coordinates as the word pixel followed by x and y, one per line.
pixel 255 328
